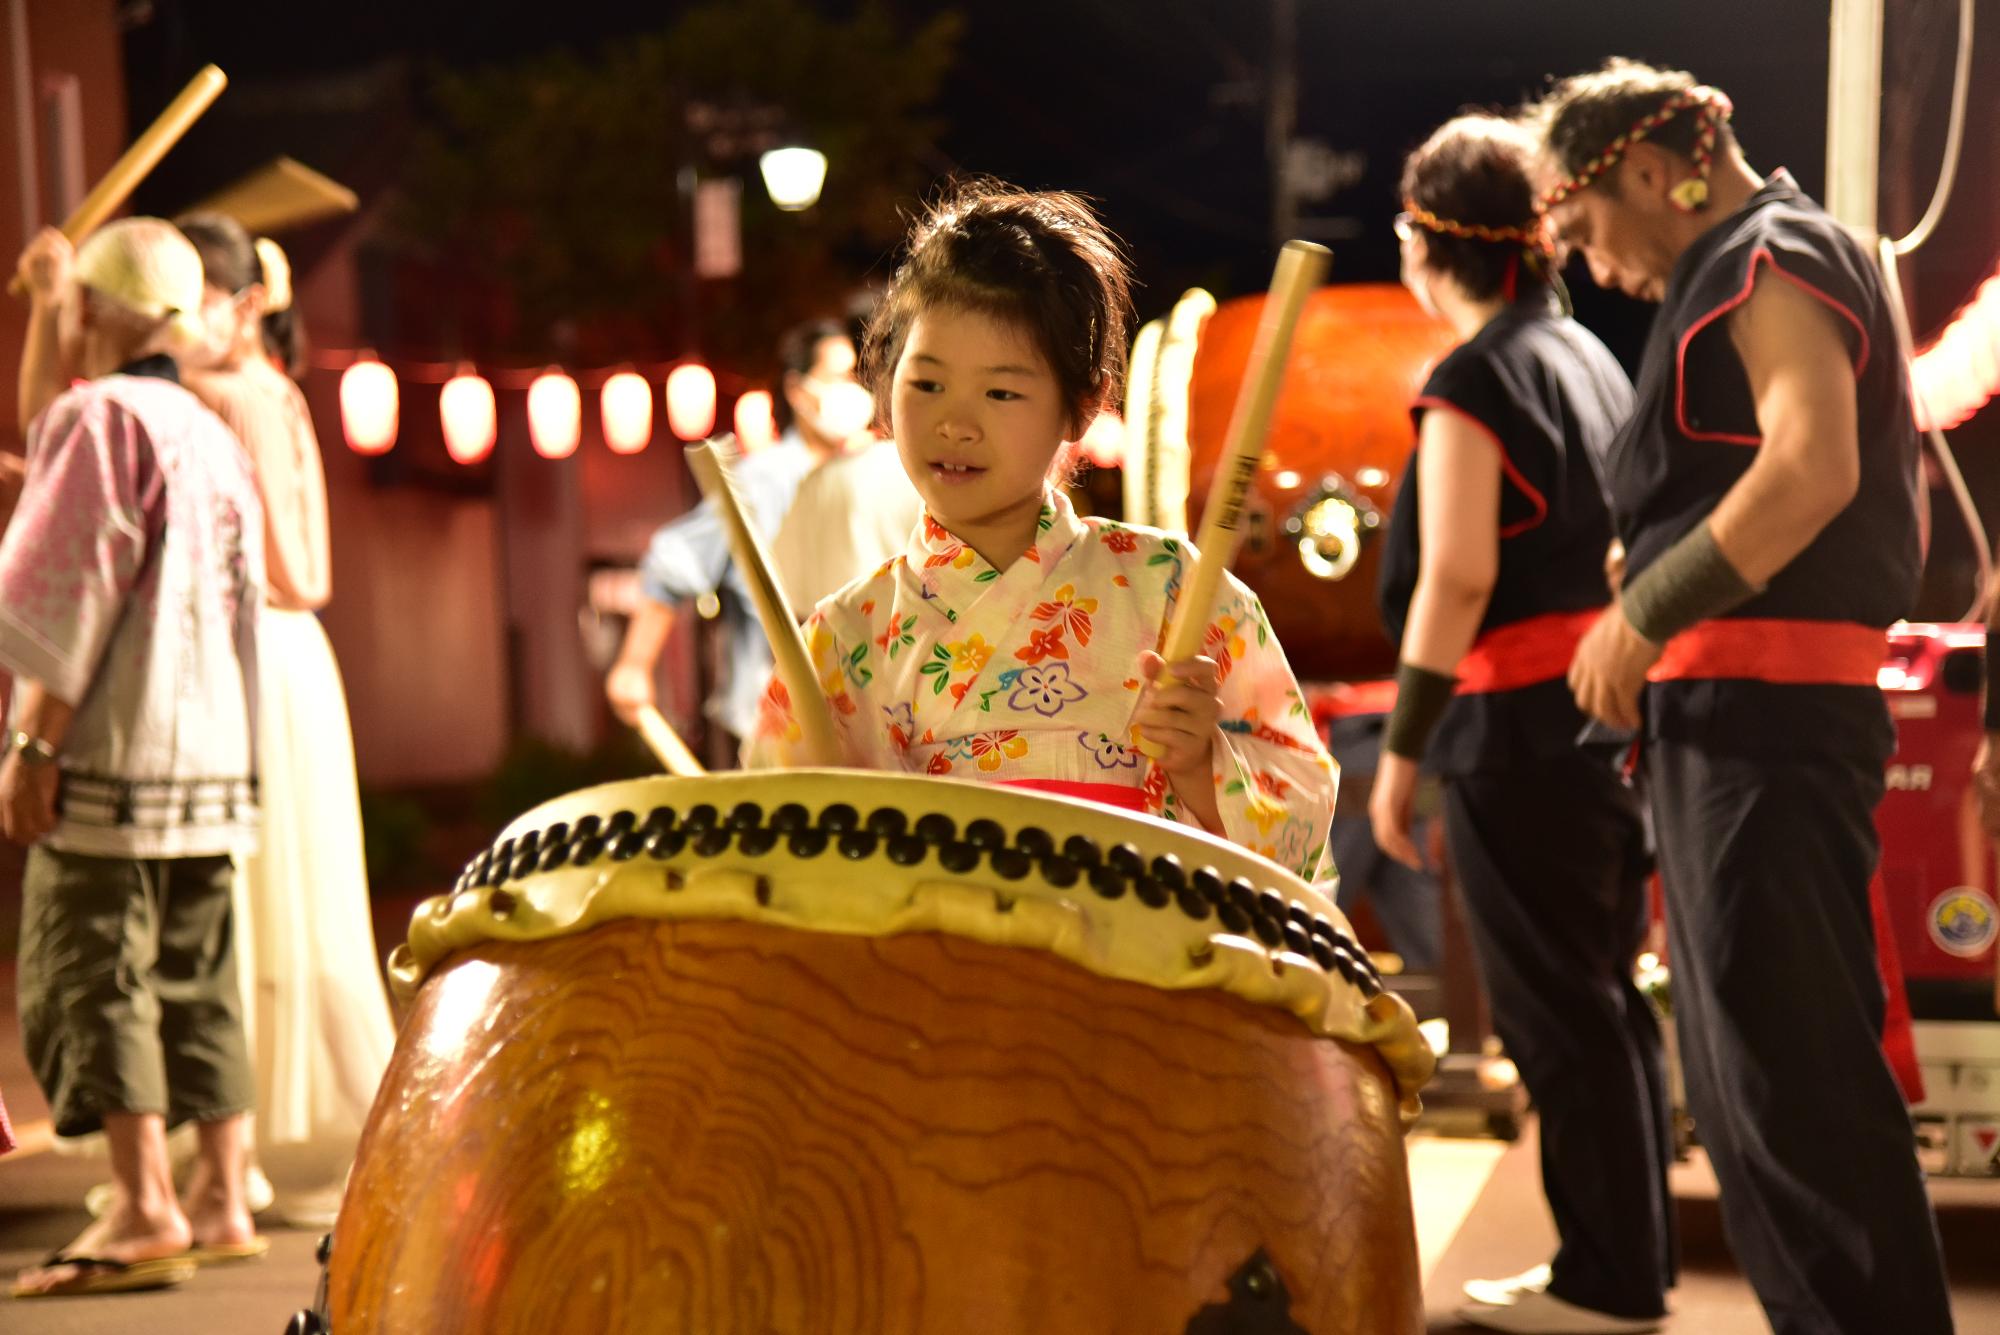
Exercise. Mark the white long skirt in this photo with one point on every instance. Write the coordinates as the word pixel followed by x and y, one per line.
pixel 318 1017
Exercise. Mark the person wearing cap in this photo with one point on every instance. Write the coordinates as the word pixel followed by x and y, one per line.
pixel 130 581
pixel 1766 493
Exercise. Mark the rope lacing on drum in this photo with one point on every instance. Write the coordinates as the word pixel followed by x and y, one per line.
pixel 1239 905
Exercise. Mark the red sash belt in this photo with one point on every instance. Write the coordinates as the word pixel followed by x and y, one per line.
pixel 1787 653
pixel 1347 699
pixel 1524 653
pixel 1104 794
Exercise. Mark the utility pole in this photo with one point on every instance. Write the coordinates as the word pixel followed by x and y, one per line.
pixel 22 75
pixel 1281 115
pixel 1854 112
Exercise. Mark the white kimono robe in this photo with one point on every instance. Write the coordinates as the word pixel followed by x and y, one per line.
pixel 938 663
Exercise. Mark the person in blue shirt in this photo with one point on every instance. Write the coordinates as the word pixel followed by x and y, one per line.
pixel 689 557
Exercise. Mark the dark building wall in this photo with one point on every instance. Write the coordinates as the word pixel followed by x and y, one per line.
pixel 66 40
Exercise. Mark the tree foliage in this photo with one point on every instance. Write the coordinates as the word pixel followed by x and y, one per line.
pixel 550 186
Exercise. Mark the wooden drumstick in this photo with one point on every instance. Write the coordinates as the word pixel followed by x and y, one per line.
pixel 117 185
pixel 280 195
pixel 1301 266
pixel 788 646
pixel 667 746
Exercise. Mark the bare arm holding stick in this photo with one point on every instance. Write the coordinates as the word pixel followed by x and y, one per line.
pixel 44 267
pixel 138 161
pixel 43 272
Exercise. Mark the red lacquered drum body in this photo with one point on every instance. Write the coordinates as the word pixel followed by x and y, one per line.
pixel 1340 438
pixel 825 1087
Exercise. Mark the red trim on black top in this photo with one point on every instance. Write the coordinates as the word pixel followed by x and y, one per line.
pixel 1762 255
pixel 1513 475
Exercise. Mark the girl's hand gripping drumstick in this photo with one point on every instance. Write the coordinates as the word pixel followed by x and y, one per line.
pixel 1301 266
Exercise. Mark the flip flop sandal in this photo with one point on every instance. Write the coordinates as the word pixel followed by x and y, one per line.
pixel 225 1253
pixel 96 1274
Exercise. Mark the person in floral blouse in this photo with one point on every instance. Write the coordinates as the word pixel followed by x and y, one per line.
pixel 1013 641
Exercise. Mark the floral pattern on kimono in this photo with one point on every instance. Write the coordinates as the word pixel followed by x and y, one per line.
pixel 941 664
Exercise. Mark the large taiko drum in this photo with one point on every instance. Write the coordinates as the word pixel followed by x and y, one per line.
pixel 832 1053
pixel 1340 437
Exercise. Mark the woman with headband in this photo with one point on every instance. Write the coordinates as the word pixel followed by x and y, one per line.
pixel 319 1018
pixel 1494 569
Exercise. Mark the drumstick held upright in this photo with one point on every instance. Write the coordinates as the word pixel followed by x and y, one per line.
pixel 1301 266
pixel 132 167
pixel 774 610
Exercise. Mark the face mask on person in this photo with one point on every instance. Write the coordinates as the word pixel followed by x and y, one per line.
pixel 219 323
pixel 842 408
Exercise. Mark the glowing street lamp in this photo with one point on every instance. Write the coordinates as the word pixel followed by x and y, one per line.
pixel 793 177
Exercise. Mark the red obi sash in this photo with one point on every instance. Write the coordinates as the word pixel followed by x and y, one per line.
pixel 1104 794
pixel 1788 653
pixel 1524 653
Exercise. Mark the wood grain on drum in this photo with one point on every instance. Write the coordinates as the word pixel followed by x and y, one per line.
pixel 724 1128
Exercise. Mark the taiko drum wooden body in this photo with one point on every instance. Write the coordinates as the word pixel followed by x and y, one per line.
pixel 825 1066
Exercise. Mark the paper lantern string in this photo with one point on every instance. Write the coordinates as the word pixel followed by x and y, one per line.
pixel 1713 107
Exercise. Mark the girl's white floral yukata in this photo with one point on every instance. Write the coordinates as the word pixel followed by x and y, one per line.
pixel 940 664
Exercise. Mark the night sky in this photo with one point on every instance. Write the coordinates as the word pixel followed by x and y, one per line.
pixel 1153 106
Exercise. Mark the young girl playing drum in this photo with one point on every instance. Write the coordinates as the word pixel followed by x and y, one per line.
pixel 1015 641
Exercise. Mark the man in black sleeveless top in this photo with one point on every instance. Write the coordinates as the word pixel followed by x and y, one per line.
pixel 1765 493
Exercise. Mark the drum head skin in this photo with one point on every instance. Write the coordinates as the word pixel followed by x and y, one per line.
pixel 1124 896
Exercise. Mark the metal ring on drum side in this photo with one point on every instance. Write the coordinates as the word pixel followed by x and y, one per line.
pixel 1123 896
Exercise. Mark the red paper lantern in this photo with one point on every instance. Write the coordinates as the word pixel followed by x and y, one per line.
pixel 691 401
pixel 555 415
pixel 1104 442
pixel 1956 376
pixel 756 428
pixel 466 410
pixel 626 405
pixel 369 405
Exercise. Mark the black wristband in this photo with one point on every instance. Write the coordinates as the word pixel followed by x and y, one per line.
pixel 1689 582
pixel 1422 696
pixel 1989 705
